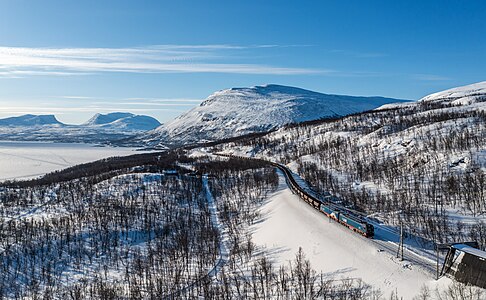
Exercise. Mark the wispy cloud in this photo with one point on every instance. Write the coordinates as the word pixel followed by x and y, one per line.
pixel 22 61
pixel 12 110
pixel 132 102
pixel 138 100
pixel 430 77
pixel 76 97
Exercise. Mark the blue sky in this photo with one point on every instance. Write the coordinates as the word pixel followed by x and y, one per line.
pixel 75 58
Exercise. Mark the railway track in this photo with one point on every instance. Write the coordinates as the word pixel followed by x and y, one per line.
pixel 381 242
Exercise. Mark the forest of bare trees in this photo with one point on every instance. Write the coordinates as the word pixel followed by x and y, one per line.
pixel 149 235
pixel 145 235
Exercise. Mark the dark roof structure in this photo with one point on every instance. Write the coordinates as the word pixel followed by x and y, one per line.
pixel 466 264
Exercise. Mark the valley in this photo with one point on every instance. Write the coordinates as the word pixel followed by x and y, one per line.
pixel 136 225
pixel 260 150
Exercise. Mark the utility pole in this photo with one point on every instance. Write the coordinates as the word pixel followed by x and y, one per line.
pixel 401 238
pixel 400 244
pixel 437 257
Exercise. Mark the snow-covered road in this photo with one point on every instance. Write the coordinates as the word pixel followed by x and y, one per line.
pixel 289 223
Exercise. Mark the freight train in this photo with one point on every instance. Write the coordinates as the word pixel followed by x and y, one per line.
pixel 331 210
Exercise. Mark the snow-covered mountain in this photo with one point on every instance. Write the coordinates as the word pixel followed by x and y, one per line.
pixel 100 119
pixel 101 128
pixel 123 121
pixel 240 111
pixel 30 120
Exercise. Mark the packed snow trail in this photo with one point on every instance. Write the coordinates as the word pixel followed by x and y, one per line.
pixel 223 248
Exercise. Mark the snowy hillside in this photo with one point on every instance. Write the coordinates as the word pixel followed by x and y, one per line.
pixel 101 128
pixel 468 94
pixel 240 111
pixel 422 164
pixel 194 225
pixel 291 224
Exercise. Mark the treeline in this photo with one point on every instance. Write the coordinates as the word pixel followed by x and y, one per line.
pixel 105 168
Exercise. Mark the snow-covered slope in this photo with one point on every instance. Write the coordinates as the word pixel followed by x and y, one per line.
pixel 290 224
pixel 464 95
pixel 240 111
pixel 30 120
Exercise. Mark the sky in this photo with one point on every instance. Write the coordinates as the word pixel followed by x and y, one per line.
pixel 160 58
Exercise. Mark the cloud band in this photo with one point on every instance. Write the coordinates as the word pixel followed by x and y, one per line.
pixel 21 61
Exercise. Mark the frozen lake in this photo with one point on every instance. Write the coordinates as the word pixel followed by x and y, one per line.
pixel 22 160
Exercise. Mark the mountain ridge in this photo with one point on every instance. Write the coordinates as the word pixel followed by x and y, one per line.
pixel 123 120
pixel 457 95
pixel 243 110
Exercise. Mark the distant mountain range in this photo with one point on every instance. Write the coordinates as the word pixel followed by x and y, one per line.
pixel 120 120
pixel 239 111
pixel 224 114
pixel 101 128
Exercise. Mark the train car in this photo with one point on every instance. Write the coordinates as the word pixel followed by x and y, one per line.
pixel 325 209
pixel 357 225
pixel 352 223
pixel 330 211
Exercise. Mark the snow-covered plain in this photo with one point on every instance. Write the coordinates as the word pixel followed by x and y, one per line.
pixel 22 160
pixel 289 223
